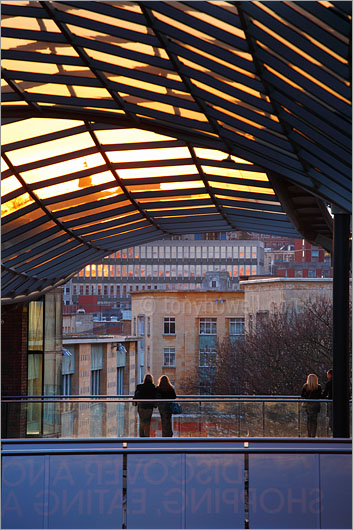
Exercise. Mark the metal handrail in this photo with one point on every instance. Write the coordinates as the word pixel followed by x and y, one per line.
pixel 131 399
pixel 178 450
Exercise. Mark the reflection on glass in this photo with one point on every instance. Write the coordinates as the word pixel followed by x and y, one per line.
pixel 35 326
pixel 34 386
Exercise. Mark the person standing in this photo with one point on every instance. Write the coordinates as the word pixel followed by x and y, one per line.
pixel 165 390
pixel 146 390
pixel 327 393
pixel 311 390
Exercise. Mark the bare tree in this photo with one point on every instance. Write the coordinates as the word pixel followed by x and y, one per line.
pixel 276 357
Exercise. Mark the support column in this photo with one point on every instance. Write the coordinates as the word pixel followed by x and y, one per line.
pixel 340 339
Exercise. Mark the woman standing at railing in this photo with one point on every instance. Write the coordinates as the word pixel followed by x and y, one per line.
pixel 146 390
pixel 311 390
pixel 165 390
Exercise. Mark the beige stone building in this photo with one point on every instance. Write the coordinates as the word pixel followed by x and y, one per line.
pixel 263 296
pixel 179 329
pixel 104 366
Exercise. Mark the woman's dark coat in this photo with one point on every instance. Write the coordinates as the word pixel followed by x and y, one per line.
pixel 145 391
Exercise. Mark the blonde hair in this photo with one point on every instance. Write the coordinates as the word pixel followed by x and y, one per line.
pixel 312 382
pixel 164 382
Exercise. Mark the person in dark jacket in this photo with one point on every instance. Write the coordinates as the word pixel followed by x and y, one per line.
pixel 165 390
pixel 327 393
pixel 146 390
pixel 311 390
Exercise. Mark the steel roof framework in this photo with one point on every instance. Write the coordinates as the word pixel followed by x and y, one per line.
pixel 124 122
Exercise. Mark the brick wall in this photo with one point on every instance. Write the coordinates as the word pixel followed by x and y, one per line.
pixel 14 367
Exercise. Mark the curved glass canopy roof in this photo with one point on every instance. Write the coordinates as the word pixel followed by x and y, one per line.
pixel 125 122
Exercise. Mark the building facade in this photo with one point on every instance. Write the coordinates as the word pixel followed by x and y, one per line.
pixel 31 361
pixel 265 295
pixel 180 330
pixel 167 264
pixel 95 365
pixel 298 260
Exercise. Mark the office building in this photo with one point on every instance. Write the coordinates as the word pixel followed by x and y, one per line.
pixel 166 264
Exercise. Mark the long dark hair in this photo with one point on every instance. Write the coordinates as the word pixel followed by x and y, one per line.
pixel 148 378
pixel 164 383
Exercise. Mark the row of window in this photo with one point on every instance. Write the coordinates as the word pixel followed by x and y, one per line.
pixel 207 326
pixel 163 270
pixel 207 357
pixel 122 290
pixel 186 252
pixel 95 382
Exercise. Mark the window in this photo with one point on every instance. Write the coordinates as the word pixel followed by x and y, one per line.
pixel 120 380
pixel 261 318
pixel 67 368
pixel 141 325
pixel 95 382
pixel 35 326
pixel 169 326
pixel 66 384
pixel 169 357
pixel 207 357
pixel 148 326
pixel 251 323
pixel 236 327
pixel 96 368
pixel 208 326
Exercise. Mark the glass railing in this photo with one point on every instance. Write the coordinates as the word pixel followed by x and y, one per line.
pixel 202 417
